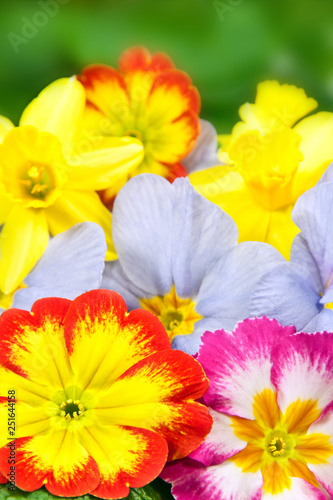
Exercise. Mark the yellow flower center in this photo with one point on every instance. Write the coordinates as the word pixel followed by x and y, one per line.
pixel 134 133
pixel 279 444
pixel 37 181
pixel 178 315
pixel 32 167
pixel 71 410
pixel 329 305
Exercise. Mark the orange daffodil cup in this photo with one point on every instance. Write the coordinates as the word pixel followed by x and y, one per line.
pixel 273 156
pixel 147 98
pixel 49 175
pixel 102 401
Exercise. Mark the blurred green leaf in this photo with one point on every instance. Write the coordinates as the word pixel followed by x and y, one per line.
pixel 226 56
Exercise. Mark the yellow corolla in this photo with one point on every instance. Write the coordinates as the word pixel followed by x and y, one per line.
pixel 48 178
pixel 270 162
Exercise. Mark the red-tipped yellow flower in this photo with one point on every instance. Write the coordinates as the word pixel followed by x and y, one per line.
pixel 101 399
pixel 149 99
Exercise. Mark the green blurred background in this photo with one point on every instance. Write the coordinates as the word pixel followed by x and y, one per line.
pixel 226 46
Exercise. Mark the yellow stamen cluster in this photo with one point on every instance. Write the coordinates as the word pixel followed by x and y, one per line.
pixel 178 315
pixel 277 446
pixel 36 181
pixel 71 410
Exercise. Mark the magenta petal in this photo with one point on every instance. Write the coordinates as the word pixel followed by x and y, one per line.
pixel 303 369
pixel 238 364
pixel 193 481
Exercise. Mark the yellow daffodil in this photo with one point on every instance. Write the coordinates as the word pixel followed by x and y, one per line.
pixel 270 162
pixel 48 178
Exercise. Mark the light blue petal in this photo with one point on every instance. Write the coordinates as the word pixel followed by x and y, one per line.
pixel 313 215
pixel 286 295
pixel 301 255
pixel 72 264
pixel 327 176
pixel 328 296
pixel 201 233
pixel 168 234
pixel 226 289
pixel 322 322
pixel 142 229
pixel 191 343
pixel 115 279
pixel 204 154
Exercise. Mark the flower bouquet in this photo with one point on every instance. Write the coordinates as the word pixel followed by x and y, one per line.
pixel 166 293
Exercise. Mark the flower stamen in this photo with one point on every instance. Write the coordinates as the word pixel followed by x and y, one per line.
pixel 36 181
pixel 277 446
pixel 71 410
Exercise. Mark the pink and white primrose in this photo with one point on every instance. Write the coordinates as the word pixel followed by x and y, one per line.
pixel 271 396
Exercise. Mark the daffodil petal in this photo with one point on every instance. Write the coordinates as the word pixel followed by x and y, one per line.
pixel 32 342
pixel 23 240
pixel 108 160
pixel 284 103
pixel 57 109
pixel 317 148
pixel 80 206
pixel 282 230
pixel 226 188
pixel 5 126
pixel 5 206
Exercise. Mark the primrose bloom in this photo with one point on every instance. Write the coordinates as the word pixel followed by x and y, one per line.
pixel 300 292
pixel 48 178
pixel 72 264
pixel 272 162
pixel 271 396
pixel 149 99
pixel 179 259
pixel 101 399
